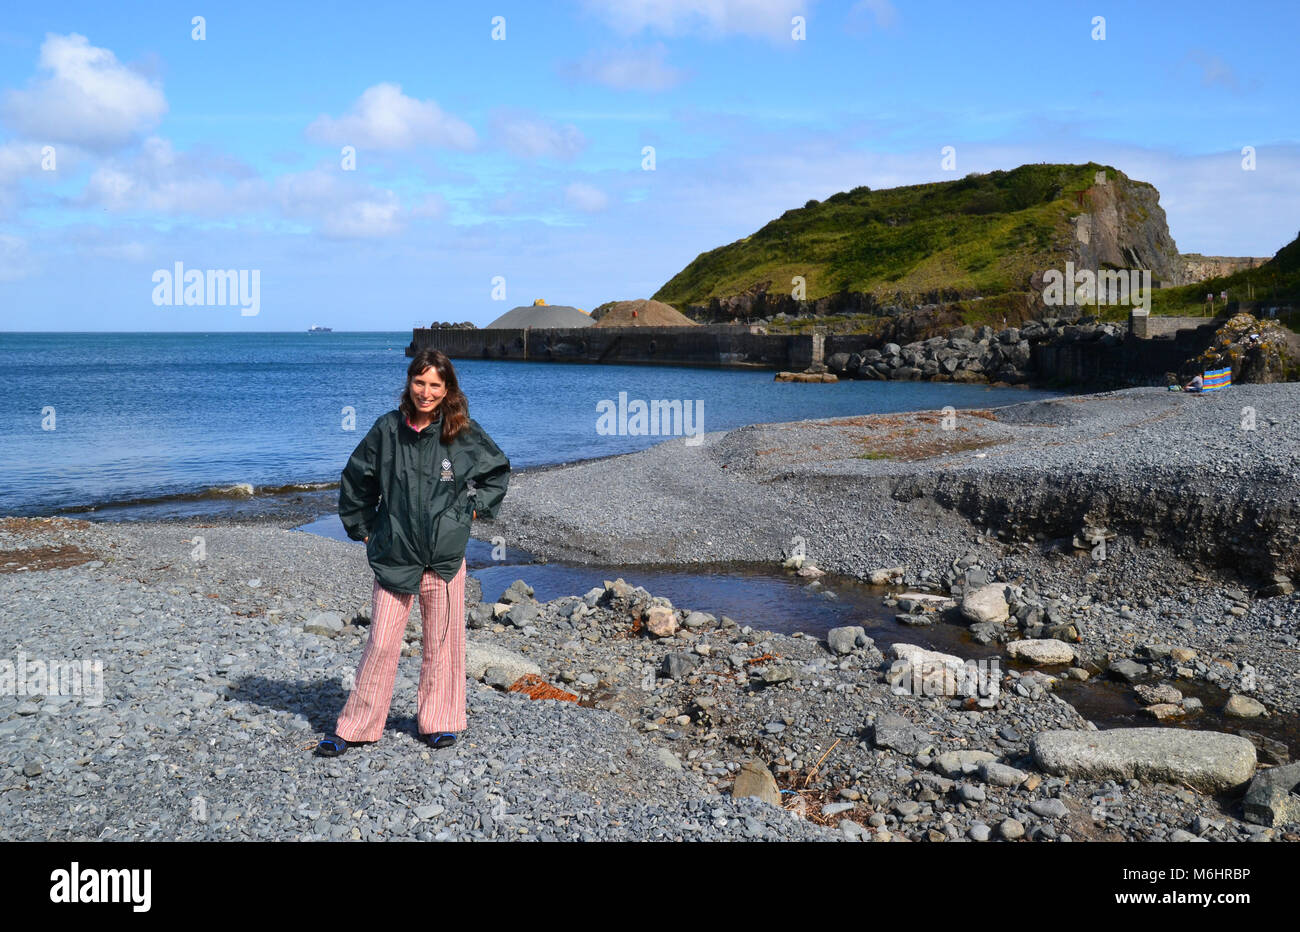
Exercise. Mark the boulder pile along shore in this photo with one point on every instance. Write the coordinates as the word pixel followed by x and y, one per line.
pixel 1257 351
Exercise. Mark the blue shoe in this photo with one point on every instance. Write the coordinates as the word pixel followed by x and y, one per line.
pixel 331 746
pixel 439 739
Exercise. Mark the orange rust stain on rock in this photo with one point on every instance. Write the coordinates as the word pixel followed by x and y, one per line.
pixel 534 687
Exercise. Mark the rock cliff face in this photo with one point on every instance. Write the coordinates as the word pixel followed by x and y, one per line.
pixel 1198 268
pixel 1121 225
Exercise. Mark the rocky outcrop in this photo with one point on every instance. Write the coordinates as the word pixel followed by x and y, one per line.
pixel 1255 350
pixel 1194 267
pixel 1122 226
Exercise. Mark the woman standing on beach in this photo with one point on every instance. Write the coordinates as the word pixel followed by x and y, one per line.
pixel 405 493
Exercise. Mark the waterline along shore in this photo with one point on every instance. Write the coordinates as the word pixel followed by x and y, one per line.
pixel 1138 542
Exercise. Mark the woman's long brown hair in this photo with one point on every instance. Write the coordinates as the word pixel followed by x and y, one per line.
pixel 454 407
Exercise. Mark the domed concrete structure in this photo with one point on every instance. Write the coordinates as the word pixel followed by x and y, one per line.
pixel 541 316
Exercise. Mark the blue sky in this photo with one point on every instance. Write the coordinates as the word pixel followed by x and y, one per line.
pixel 519 160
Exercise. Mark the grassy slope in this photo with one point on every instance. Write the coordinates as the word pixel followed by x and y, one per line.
pixel 984 234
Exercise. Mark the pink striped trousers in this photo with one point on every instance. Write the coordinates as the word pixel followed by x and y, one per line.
pixel 441 698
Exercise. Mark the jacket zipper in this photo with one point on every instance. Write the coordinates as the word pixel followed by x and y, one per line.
pixel 437 443
pixel 424 520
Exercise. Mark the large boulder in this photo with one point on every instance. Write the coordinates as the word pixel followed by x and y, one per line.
pixel 920 657
pixel 661 621
pixel 1239 706
pixel 517 591
pixel 1044 651
pixel 522 614
pixel 1126 669
pixel 1271 798
pixel 931 673
pixel 754 779
pixel 328 624
pixel 987 603
pixel 479 656
pixel 677 665
pixel 847 639
pixel 1209 761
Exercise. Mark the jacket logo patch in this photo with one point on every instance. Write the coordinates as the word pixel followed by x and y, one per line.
pixel 446 475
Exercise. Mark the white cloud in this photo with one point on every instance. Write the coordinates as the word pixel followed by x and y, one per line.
pixel 385 118
pixel 85 96
pixel 158 178
pixel 713 18
pixel 338 208
pixel 365 218
pixel 18 159
pixel 532 138
pixel 585 198
pixel 629 69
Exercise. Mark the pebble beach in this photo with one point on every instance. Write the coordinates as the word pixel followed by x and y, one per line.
pixel 1142 539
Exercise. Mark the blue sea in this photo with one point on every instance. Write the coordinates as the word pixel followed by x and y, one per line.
pixel 127 426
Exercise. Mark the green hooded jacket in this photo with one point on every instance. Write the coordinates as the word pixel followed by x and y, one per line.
pixel 408 492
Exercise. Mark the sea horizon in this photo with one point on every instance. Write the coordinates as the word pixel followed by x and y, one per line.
pixel 166 424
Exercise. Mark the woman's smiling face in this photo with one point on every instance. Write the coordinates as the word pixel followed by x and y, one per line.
pixel 427 391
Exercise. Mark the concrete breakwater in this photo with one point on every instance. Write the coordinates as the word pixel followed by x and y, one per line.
pixel 715 345
pixel 1081 351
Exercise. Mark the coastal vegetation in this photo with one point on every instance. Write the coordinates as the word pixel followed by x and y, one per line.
pixel 982 235
pixel 974 251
